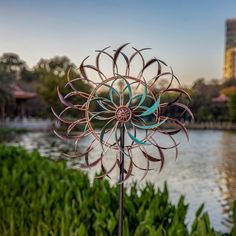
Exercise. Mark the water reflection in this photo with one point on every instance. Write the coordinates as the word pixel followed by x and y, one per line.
pixel 227 173
pixel 204 172
pixel 45 143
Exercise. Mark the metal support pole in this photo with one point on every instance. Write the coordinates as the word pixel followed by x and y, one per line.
pixel 121 200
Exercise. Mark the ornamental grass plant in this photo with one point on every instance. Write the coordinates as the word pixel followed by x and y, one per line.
pixel 39 196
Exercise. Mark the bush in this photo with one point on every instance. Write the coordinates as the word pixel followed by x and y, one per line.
pixel 232 106
pixel 42 197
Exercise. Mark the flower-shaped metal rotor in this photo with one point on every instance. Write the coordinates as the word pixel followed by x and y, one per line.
pixel 124 100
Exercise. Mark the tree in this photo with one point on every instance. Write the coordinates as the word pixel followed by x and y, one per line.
pixel 56 65
pixel 12 64
pixel 203 105
pixel 28 75
pixel 229 83
pixel 5 91
pixel 51 74
pixel 229 90
pixel 232 106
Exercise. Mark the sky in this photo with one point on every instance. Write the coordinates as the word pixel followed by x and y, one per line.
pixel 187 34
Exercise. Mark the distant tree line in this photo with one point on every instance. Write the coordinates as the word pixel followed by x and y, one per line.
pixel 206 107
pixel 47 74
pixel 43 78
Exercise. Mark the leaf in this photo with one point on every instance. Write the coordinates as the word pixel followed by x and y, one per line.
pixel 111 224
pixel 199 210
pixel 82 230
pixel 234 213
pixel 126 227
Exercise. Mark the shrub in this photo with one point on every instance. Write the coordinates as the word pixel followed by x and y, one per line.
pixel 43 197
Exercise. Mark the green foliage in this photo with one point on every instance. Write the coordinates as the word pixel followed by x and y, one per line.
pixel 6 79
pixel 56 65
pixel 44 78
pixel 233 232
pixel 29 76
pixel 12 69
pixel 48 74
pixel 52 73
pixel 42 197
pixel 12 63
pixel 202 105
pixel 204 114
pixel 232 106
pixel 7 134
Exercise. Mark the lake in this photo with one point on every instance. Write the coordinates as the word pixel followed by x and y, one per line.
pixel 205 170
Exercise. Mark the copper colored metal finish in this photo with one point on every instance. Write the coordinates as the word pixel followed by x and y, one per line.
pixel 123 114
pixel 127 100
pixel 122 103
pixel 111 108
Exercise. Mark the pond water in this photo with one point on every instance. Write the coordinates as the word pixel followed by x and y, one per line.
pixel 205 170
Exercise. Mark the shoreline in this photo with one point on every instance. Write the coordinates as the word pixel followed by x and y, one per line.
pixel 34 125
pixel 227 126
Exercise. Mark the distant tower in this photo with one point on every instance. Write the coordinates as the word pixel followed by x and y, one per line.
pixel 230 50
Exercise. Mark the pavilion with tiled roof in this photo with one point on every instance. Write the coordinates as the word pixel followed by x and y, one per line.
pixel 21 96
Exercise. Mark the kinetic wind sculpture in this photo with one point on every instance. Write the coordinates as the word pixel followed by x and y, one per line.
pixel 123 103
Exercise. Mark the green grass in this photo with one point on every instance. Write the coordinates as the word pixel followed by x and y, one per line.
pixel 42 197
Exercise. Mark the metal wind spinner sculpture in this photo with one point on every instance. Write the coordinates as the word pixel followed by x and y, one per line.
pixel 123 103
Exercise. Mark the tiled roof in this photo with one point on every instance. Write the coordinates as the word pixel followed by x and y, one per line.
pixel 19 93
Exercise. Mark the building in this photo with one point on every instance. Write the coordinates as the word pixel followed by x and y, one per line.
pixel 21 97
pixel 17 105
pixel 230 50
